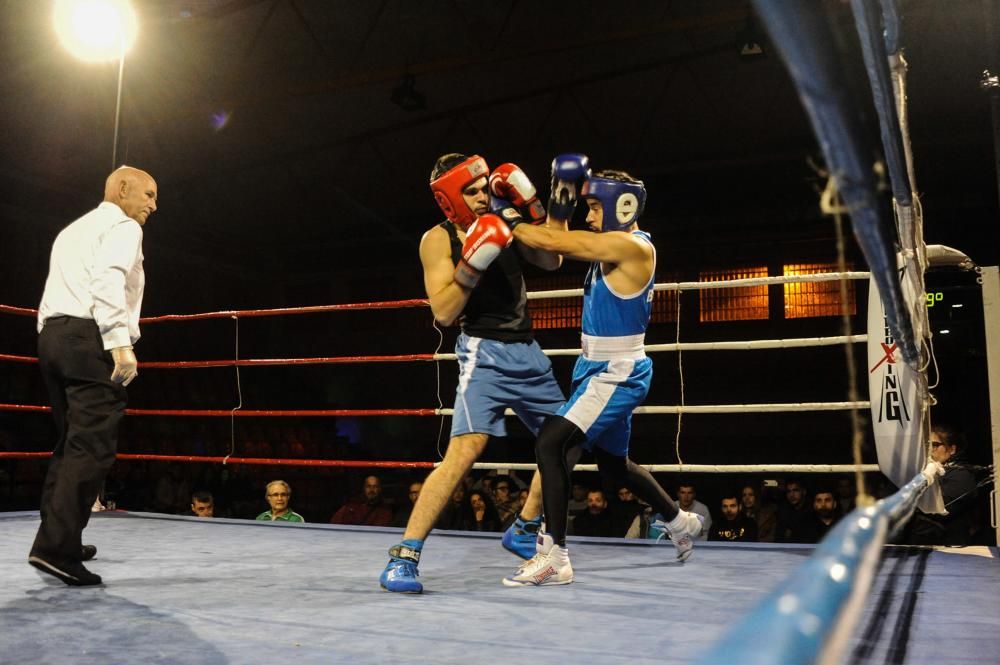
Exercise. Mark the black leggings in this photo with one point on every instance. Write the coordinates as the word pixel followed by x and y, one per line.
pixel 557 450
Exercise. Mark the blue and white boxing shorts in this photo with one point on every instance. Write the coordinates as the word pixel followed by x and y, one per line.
pixel 494 376
pixel 610 379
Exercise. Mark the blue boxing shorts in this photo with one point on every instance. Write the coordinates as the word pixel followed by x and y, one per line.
pixel 494 376
pixel 603 395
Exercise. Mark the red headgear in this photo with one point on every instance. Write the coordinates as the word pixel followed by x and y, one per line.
pixel 448 188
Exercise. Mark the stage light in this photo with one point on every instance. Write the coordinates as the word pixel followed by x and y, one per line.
pixel 96 30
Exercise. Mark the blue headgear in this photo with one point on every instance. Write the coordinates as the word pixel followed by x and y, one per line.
pixel 622 201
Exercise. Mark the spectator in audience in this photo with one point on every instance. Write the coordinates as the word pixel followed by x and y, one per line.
pixel 826 512
pixel 577 500
pixel 483 516
pixel 456 514
pixel 686 500
pixel 202 504
pixel 624 511
pixel 486 482
pixel 764 515
pixel 369 508
pixel 734 526
pixel 505 504
pixel 958 489
pixel 846 494
pixel 596 520
pixel 173 490
pixel 131 486
pixel 522 497
pixel 640 525
pixel 279 495
pixel 238 490
pixel 402 515
pixel 795 518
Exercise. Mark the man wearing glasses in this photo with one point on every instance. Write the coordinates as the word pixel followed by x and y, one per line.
pixel 506 505
pixel 278 494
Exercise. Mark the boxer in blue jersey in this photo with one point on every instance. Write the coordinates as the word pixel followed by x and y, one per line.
pixel 613 374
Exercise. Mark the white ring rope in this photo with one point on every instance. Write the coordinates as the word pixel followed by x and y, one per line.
pixel 700 468
pixel 721 284
pixel 743 345
pixel 729 408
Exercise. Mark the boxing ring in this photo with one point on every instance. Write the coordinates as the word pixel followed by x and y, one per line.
pixel 184 590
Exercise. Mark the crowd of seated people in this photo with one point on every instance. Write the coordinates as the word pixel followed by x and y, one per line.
pixel 789 510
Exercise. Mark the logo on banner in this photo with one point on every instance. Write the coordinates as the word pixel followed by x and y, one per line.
pixel 892 406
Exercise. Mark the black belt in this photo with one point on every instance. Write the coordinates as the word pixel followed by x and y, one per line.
pixel 64 319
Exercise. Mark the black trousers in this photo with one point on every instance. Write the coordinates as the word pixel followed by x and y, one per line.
pixel 87 407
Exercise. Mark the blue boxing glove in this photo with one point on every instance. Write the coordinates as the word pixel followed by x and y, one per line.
pixel 506 211
pixel 569 172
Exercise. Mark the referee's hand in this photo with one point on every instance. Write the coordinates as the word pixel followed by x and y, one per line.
pixel 126 366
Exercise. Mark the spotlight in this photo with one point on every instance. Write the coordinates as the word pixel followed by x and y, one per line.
pixel 405 95
pixel 95 30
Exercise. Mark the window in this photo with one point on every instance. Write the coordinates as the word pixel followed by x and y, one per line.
pixel 556 312
pixel 744 303
pixel 567 312
pixel 810 299
pixel 664 304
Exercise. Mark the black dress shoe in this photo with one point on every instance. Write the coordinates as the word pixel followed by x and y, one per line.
pixel 88 552
pixel 70 572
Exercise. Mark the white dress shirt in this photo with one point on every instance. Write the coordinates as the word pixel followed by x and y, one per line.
pixel 95 272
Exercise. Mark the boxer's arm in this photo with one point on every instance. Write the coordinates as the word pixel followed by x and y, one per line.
pixel 632 259
pixel 546 260
pixel 613 247
pixel 447 297
pixel 539 257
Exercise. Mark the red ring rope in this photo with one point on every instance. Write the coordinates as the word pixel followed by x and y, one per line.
pixel 270 461
pixel 23 311
pixel 246 313
pixel 246 413
pixel 18 359
pixel 260 362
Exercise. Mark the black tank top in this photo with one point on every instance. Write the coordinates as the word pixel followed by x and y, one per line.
pixel 498 306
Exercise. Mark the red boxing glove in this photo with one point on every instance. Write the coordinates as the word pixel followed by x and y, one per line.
pixel 484 241
pixel 509 182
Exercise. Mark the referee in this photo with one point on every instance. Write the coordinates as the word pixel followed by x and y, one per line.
pixel 87 323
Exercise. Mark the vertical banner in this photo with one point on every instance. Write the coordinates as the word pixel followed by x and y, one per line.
pixel 895 394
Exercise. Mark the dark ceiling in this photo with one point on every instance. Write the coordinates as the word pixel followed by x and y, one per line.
pixel 280 152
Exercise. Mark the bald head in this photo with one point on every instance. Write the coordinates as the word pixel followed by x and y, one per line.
pixel 133 190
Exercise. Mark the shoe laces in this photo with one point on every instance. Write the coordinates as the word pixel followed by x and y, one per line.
pixel 681 541
pixel 535 561
pixel 406 567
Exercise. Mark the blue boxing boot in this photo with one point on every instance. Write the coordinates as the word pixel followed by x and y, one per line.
pixel 519 538
pixel 400 574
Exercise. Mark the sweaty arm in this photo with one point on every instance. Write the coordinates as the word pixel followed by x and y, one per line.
pixel 630 257
pixel 542 257
pixel 613 247
pixel 447 297
pixel 537 256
